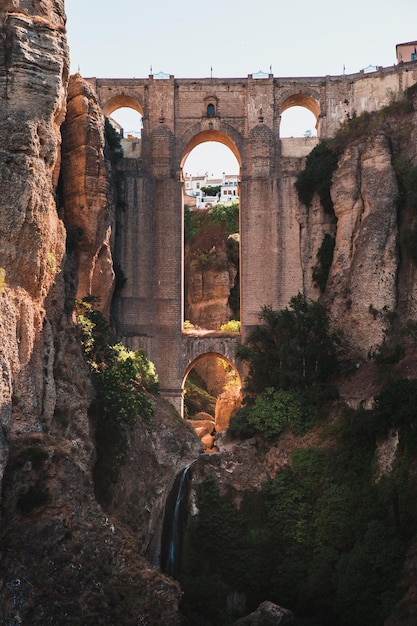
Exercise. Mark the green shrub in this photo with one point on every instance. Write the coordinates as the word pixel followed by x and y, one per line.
pixel 233 326
pixel 226 215
pixel 291 349
pixel 192 222
pixel 120 378
pixel 386 358
pixel 240 425
pixel 406 174
pixel 317 176
pixel 275 411
pixel 113 142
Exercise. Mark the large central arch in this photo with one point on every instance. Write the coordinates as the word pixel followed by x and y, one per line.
pixel 211 135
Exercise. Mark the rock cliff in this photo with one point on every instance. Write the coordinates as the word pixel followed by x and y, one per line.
pixel 63 560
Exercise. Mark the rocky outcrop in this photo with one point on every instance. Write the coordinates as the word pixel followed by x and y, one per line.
pixel 362 281
pixel 267 614
pixel 146 478
pixel 86 193
pixel 208 295
pixel 62 560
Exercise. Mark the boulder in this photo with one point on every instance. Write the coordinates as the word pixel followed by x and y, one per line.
pixel 267 614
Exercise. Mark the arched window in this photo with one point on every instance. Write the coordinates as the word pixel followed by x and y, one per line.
pixel 211 111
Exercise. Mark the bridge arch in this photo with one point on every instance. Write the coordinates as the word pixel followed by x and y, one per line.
pixel 309 101
pixel 209 354
pixel 119 101
pixel 198 136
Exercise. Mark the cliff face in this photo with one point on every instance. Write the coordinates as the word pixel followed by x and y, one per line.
pixel 371 281
pixel 61 556
pixel 33 77
pixel 365 265
pixel 86 192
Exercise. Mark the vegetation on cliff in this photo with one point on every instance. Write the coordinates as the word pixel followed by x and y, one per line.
pixel 120 378
pixel 327 537
pixel 291 357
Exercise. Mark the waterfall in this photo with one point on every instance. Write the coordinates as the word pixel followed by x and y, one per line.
pixel 176 510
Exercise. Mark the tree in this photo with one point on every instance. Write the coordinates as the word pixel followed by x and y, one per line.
pixel 292 349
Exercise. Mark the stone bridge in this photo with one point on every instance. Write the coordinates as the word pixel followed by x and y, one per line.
pixel 244 114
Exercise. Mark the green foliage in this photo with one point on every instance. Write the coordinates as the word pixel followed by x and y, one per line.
pixel 214 259
pixel 187 325
pixel 240 425
pixel 119 398
pixel 232 326
pixel 113 142
pixel 406 174
pixel 386 358
pixel 273 412
pixel 325 259
pixel 226 215
pixel 321 538
pixel 120 378
pixel 37 495
pixel 317 176
pixel 292 349
pixel 211 190
pixel 192 222
pixel 196 397
pixel 219 547
pixel 396 409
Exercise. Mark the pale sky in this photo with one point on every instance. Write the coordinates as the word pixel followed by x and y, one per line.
pixel 234 38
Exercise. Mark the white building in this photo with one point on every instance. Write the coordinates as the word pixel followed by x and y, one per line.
pixel 229 185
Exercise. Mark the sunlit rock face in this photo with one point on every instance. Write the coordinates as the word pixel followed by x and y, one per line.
pixel 208 295
pixel 86 191
pixel 61 556
pixel 33 80
pixel 362 283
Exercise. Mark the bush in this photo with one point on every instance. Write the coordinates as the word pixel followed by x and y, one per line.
pixel 233 326
pixel 120 377
pixel 192 222
pixel 226 215
pixel 292 349
pixel 113 142
pixel 275 411
pixel 317 176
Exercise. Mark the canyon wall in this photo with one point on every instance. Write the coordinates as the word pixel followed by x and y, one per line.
pixel 63 560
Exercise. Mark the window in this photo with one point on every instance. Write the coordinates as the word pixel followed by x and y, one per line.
pixel 211 110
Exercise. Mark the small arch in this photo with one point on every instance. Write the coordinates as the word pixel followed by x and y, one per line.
pixel 120 101
pixel 211 110
pixel 212 397
pixel 302 101
pixel 204 355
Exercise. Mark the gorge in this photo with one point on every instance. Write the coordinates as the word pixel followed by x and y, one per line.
pixel 320 520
